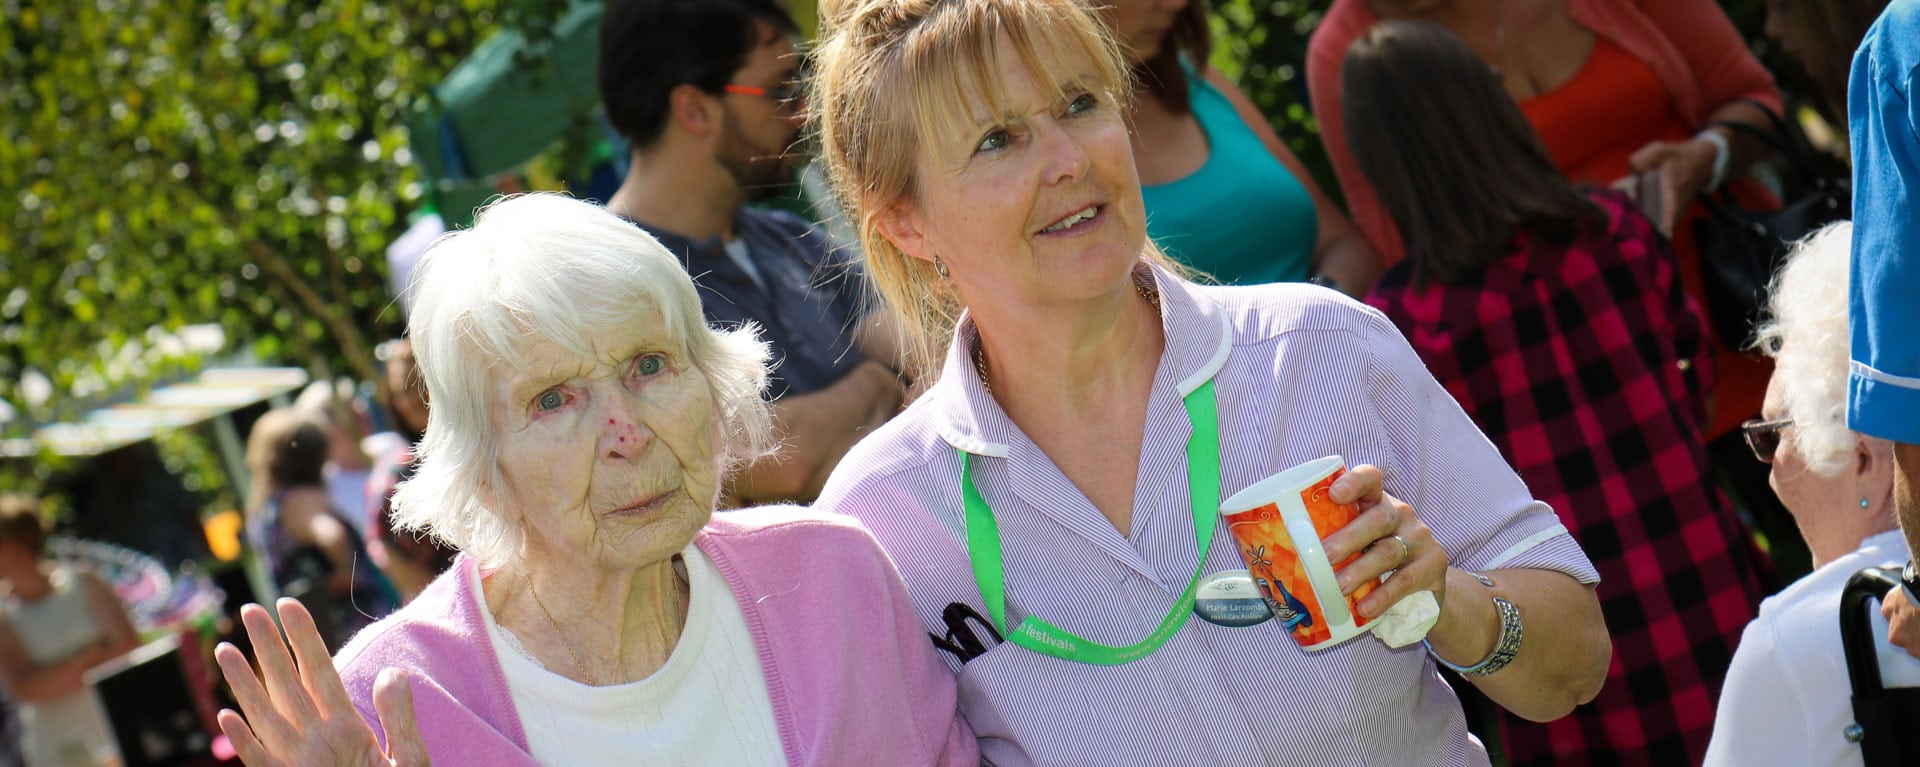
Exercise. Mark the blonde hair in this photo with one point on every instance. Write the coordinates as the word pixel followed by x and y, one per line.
pixel 893 74
pixel 545 269
pixel 1806 335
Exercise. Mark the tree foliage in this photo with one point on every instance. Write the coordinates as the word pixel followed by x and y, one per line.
pixel 245 163
pixel 239 162
pixel 1262 46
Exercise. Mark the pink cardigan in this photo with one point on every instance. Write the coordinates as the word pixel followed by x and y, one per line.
pixel 849 668
pixel 1690 44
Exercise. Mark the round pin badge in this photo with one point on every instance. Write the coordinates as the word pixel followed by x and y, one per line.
pixel 1229 598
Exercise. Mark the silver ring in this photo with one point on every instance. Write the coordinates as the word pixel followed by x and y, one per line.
pixel 1406 551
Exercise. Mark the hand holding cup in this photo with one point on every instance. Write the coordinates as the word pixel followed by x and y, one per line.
pixel 1287 527
pixel 1377 535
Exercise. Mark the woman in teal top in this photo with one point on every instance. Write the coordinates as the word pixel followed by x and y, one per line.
pixel 1223 194
pixel 1241 218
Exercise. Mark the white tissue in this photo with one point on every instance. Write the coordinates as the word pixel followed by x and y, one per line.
pixel 1408 620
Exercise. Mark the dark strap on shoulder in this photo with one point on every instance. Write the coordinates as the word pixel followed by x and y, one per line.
pixel 1857 636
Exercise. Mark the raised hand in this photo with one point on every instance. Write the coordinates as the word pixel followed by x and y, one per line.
pixel 297 713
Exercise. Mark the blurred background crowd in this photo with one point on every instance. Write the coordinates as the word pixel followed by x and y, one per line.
pixel 206 397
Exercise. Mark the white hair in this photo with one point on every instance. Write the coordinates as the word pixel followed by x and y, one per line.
pixel 1806 335
pixel 546 269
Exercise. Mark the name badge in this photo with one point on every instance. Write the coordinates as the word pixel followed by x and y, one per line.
pixel 1230 598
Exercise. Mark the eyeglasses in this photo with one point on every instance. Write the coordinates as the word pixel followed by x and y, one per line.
pixel 786 97
pixel 1763 437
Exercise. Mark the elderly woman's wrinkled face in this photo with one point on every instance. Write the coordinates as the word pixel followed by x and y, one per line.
pixel 608 460
pixel 1039 204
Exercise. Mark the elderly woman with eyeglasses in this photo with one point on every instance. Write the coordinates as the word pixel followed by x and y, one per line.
pixel 1786 696
pixel 583 418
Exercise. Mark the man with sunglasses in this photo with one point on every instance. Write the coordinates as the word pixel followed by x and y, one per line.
pixel 1883 398
pixel 707 92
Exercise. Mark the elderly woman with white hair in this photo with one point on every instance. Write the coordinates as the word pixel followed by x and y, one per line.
pixel 1786 696
pixel 583 419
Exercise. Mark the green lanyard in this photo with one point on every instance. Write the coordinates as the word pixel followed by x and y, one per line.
pixel 983 547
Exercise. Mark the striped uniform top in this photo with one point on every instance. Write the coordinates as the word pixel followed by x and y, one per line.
pixel 1300 372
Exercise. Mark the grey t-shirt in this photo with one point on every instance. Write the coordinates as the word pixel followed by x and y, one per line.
pixel 807 299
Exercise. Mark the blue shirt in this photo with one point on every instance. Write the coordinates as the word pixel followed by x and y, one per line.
pixel 1883 397
pixel 1242 218
pixel 806 301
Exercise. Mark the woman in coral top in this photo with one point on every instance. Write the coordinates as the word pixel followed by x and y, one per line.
pixel 1615 89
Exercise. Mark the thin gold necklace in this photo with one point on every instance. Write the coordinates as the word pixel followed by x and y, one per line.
pixel 577 665
pixel 1142 284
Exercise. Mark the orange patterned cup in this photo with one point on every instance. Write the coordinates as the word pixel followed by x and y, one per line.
pixel 1279 523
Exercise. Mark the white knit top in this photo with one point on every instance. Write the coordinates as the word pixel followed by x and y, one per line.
pixel 707 705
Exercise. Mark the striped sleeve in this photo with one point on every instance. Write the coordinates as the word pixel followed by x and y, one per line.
pixel 1477 507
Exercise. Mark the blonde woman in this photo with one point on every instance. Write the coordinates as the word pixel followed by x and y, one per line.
pixel 1094 407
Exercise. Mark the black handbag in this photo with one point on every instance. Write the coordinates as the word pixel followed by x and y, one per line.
pixel 1741 249
pixel 1886 720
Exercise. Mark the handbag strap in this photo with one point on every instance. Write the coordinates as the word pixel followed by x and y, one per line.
pixel 1774 119
pixel 1781 139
